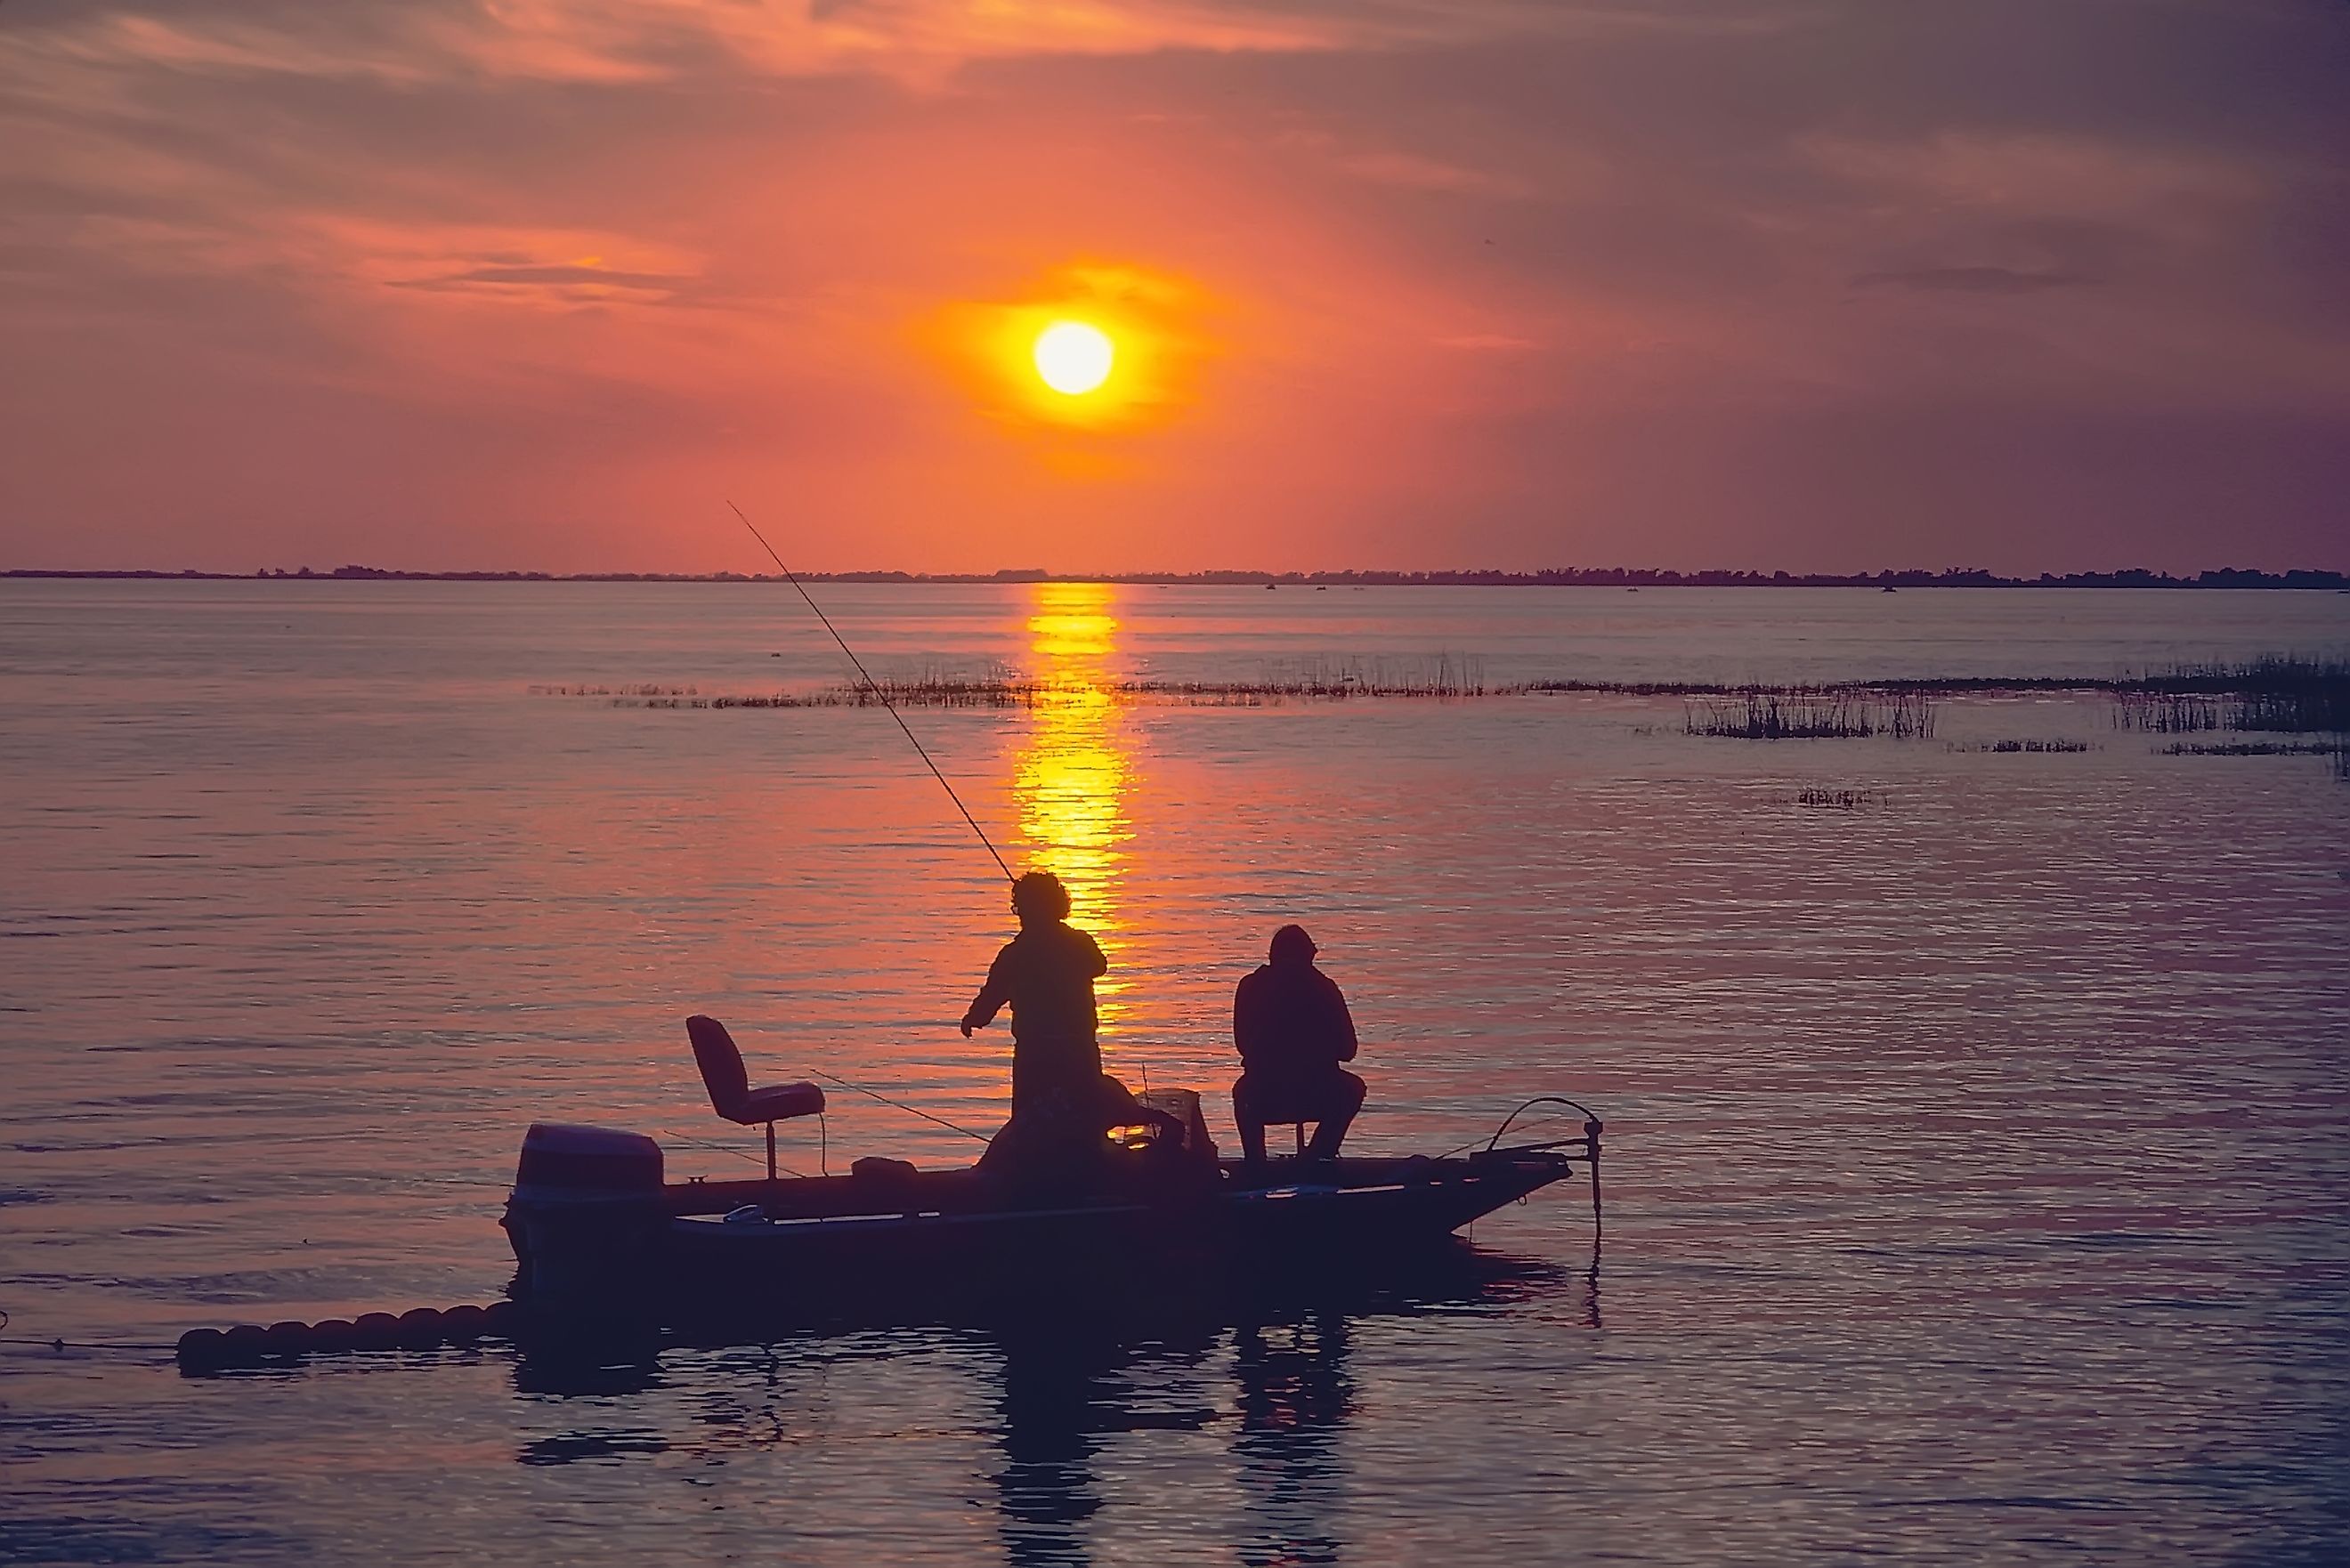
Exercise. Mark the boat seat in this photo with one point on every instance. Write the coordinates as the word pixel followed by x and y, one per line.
pixel 780 1103
pixel 729 1082
pixel 1299 1110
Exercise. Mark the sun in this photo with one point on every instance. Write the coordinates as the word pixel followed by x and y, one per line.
pixel 1073 358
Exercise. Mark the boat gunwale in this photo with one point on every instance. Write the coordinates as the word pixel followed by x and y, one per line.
pixel 969 1192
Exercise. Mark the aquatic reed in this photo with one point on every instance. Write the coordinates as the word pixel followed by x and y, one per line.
pixel 2276 692
pixel 1443 675
pixel 2164 713
pixel 637 690
pixel 2252 748
pixel 1813 712
pixel 1322 679
pixel 2283 692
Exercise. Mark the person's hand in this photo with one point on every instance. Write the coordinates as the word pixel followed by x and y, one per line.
pixel 966 1028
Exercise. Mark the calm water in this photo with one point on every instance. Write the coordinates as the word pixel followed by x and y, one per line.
pixel 1979 1191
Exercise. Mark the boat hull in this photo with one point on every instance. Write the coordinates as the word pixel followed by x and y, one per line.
pixel 947 1240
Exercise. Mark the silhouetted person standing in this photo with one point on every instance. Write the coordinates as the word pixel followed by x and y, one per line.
pixel 1062 1101
pixel 1047 974
pixel 1290 1024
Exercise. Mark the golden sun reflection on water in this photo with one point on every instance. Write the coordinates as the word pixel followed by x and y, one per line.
pixel 1070 777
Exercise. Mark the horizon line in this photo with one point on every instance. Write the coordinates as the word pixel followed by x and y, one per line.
pixel 1550 577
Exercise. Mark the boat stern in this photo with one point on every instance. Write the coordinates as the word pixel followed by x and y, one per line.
pixel 586 1214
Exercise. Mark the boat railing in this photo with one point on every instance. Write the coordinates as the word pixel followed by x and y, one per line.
pixel 1583 1144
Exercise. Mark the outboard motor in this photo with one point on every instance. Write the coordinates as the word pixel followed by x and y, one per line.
pixel 585 1215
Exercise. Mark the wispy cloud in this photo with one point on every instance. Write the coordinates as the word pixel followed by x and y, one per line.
pixel 1973 280
pixel 1529 279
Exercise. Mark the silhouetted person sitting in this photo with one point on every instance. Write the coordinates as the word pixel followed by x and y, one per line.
pixel 1290 1024
pixel 1062 1101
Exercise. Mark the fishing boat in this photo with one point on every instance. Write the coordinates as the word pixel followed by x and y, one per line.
pixel 616 1261
pixel 605 1241
pixel 597 1229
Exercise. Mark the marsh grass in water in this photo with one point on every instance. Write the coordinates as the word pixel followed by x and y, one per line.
pixel 1816 713
pixel 2252 748
pixel 1442 675
pixel 1320 679
pixel 2164 713
pixel 1838 799
pixel 624 692
pixel 2336 751
pixel 2278 692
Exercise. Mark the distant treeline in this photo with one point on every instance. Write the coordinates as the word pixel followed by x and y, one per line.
pixel 1556 577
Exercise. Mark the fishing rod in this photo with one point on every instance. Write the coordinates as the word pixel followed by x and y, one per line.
pixel 878 695
pixel 882 697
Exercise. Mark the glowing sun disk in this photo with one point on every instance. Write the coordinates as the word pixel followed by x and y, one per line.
pixel 1073 358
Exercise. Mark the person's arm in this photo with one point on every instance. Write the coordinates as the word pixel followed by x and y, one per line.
pixel 1247 1024
pixel 1342 1021
pixel 992 995
pixel 1096 965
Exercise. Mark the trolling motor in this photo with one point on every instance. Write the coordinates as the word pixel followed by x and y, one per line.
pixel 1588 1142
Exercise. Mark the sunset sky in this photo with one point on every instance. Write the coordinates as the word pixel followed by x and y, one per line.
pixel 1825 285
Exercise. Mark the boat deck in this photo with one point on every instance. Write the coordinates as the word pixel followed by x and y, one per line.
pixel 974 1192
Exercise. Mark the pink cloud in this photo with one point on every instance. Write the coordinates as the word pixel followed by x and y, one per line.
pixel 1492 282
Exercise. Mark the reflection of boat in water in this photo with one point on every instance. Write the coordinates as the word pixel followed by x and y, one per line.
pixel 1086 1308
pixel 1246 1386
pixel 595 1228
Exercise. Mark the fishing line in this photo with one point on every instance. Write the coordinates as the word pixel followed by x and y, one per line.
pixel 724 1148
pixel 900 1104
pixel 880 696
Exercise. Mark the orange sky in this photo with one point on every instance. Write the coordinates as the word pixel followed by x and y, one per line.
pixel 530 284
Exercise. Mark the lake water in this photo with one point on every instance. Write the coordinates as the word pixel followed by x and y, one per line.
pixel 1979 1188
